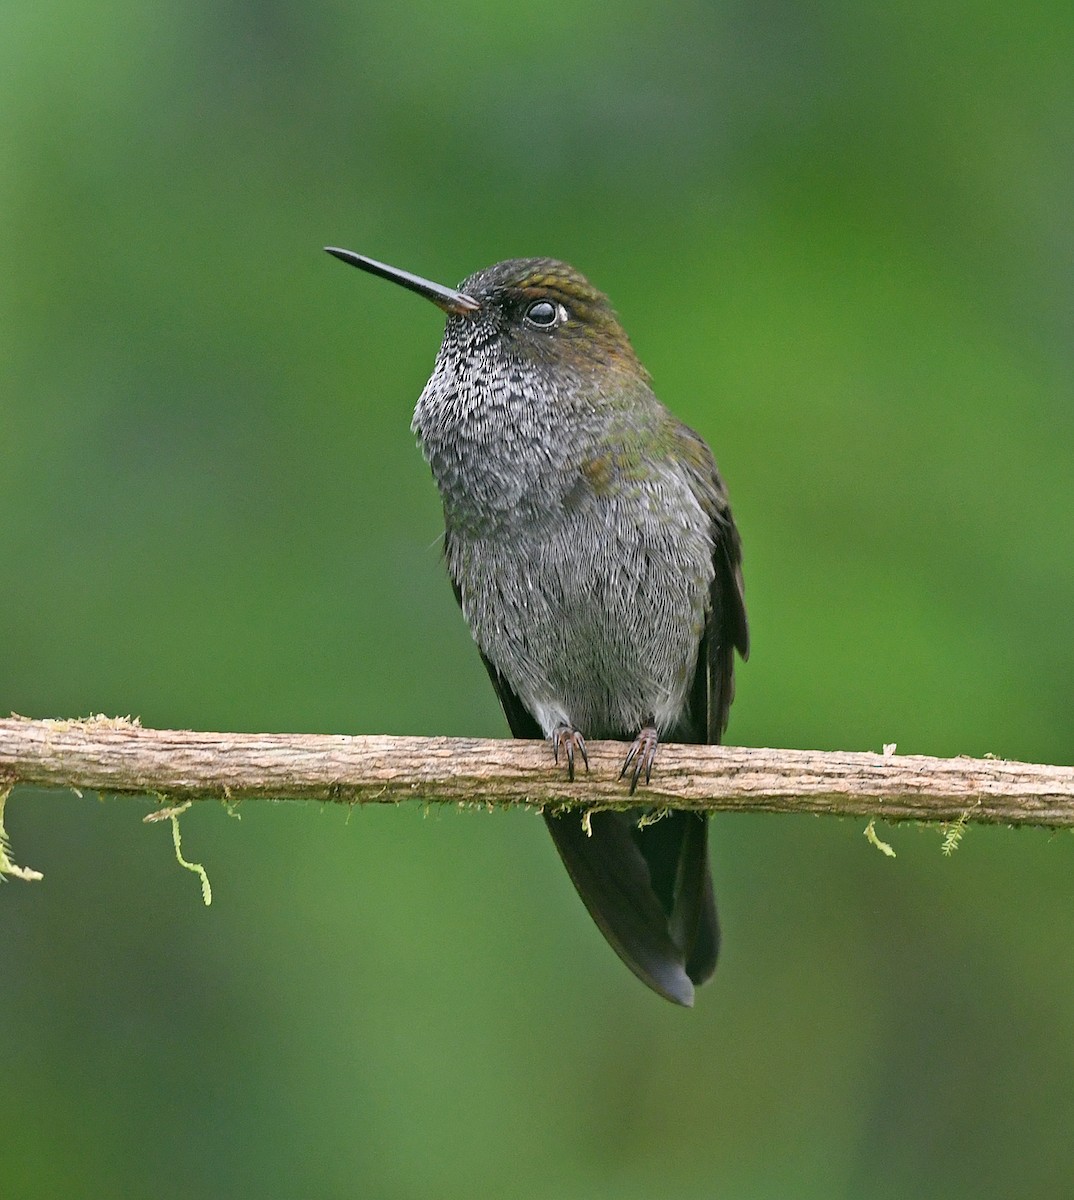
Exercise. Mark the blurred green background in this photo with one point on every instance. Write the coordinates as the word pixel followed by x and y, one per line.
pixel 841 238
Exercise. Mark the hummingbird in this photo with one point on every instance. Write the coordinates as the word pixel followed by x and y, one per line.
pixel 591 546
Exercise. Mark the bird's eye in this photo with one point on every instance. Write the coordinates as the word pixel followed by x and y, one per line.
pixel 542 313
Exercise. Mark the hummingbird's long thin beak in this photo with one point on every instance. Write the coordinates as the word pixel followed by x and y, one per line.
pixel 449 299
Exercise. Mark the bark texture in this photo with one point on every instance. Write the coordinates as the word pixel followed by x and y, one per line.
pixel 118 756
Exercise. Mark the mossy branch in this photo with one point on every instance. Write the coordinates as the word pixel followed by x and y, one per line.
pixel 118 756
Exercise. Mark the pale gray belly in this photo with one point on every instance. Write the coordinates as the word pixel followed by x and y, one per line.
pixel 596 622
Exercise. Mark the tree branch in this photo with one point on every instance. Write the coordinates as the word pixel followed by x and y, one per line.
pixel 119 757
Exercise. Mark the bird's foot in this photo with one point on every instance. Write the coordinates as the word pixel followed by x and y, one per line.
pixel 640 757
pixel 569 740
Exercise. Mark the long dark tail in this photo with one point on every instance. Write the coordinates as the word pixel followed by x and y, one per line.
pixel 649 890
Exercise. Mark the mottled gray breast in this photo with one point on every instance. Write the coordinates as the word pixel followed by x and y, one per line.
pixel 595 618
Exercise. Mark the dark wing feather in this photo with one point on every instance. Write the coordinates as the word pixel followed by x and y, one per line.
pixel 726 626
pixel 682 848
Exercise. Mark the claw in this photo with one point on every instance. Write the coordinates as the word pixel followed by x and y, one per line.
pixel 569 740
pixel 640 757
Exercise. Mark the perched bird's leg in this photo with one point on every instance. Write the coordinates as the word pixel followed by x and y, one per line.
pixel 568 739
pixel 641 754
